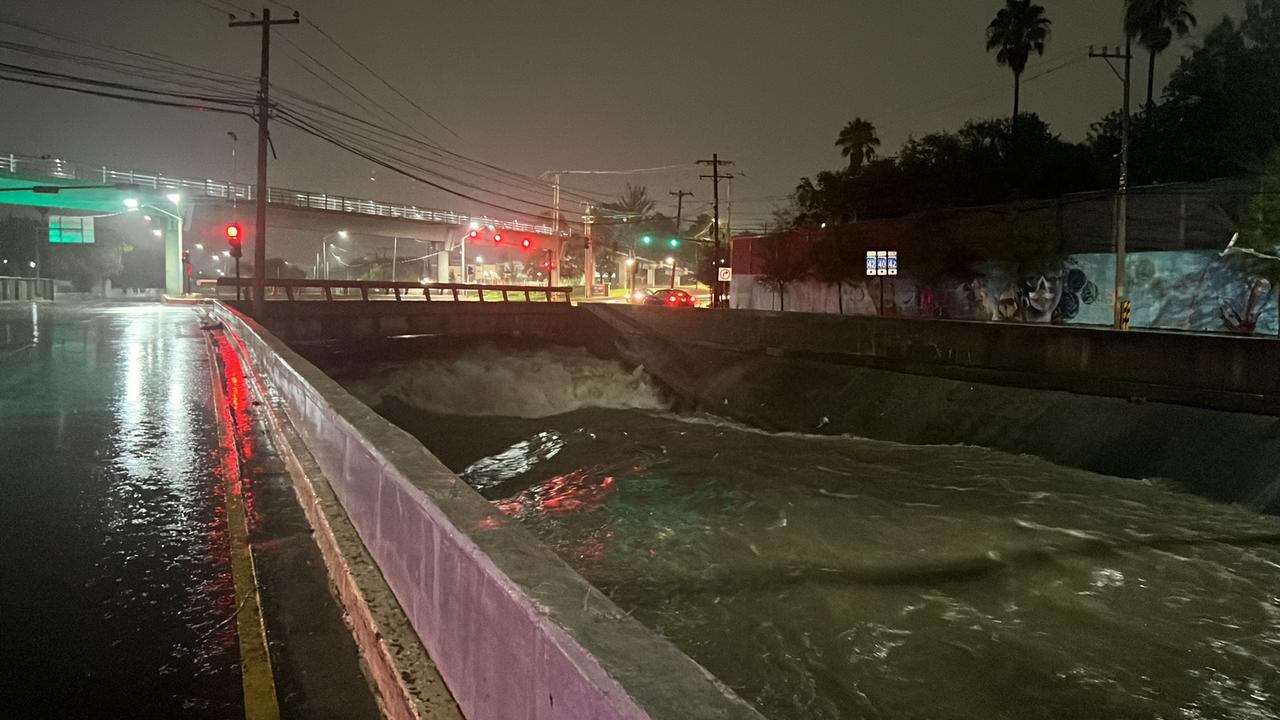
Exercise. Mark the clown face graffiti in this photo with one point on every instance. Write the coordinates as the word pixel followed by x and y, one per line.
pixel 1044 295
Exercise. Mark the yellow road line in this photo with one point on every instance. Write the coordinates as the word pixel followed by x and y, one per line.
pixel 260 702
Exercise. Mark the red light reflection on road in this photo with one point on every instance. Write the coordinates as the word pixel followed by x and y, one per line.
pixel 237 415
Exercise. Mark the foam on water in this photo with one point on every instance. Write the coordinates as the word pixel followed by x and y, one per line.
pixel 523 384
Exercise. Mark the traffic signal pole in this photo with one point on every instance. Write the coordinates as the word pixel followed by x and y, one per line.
pixel 264 138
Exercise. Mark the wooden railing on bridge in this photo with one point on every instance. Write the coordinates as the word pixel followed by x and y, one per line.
pixel 304 289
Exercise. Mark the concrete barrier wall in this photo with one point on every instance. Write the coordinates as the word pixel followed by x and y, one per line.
pixel 19 288
pixel 515 632
pixel 305 320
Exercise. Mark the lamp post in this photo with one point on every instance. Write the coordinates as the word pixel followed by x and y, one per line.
pixel 462 246
pixel 174 284
pixel 324 250
pixel 672 262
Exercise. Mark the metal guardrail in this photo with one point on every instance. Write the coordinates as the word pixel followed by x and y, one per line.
pixel 57 168
pixel 301 289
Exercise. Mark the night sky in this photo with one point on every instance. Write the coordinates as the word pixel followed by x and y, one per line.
pixel 581 85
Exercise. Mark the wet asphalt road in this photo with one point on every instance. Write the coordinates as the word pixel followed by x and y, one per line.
pixel 116 586
pixel 116 569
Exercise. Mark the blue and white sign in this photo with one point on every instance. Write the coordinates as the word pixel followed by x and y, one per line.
pixel 871 263
pixel 893 262
pixel 882 262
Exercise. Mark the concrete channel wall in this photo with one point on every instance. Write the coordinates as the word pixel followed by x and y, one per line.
pixel 515 632
pixel 1063 358
pixel 1199 411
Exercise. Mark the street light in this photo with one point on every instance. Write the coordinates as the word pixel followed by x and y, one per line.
pixel 324 249
pixel 176 199
pixel 131 204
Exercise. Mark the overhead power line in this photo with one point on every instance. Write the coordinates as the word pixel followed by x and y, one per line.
pixel 120 96
pixel 378 77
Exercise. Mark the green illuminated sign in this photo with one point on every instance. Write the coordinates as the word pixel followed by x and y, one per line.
pixel 70 229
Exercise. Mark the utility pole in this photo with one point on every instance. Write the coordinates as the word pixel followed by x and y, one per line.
pixel 587 257
pixel 680 195
pixel 555 229
pixel 1122 197
pixel 715 177
pixel 264 138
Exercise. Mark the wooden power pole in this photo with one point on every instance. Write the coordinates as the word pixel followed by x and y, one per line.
pixel 1122 197
pixel 715 177
pixel 264 138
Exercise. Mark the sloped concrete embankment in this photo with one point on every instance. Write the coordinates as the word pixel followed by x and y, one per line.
pixel 1197 410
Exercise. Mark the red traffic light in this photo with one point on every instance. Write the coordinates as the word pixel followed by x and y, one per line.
pixel 233 239
pixel 526 243
pixel 497 238
pixel 474 234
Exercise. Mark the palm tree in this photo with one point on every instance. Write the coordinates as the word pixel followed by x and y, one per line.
pixel 1018 30
pixel 858 142
pixel 632 205
pixel 1155 23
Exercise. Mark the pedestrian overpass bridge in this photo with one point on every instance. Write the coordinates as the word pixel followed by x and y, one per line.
pixel 205 206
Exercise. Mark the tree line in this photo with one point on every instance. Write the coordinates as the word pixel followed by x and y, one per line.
pixel 1219 116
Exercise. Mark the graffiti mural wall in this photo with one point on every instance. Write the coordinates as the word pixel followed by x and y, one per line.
pixel 1180 290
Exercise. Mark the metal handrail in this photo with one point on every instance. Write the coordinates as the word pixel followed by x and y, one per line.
pixel 57 168
pixel 294 287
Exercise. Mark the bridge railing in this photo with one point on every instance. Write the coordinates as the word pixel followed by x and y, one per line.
pixel 57 168
pixel 287 289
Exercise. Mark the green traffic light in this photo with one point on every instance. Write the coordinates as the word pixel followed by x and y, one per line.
pixel 646 240
pixel 675 242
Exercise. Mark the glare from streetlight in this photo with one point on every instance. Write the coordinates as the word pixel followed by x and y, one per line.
pixel 226 253
pixel 174 198
pixel 199 246
pixel 32 263
pixel 631 261
pixel 475 226
pixel 342 234
pixel 156 232
pixel 671 261
pixel 147 218
pixel 131 203
pixel 479 259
